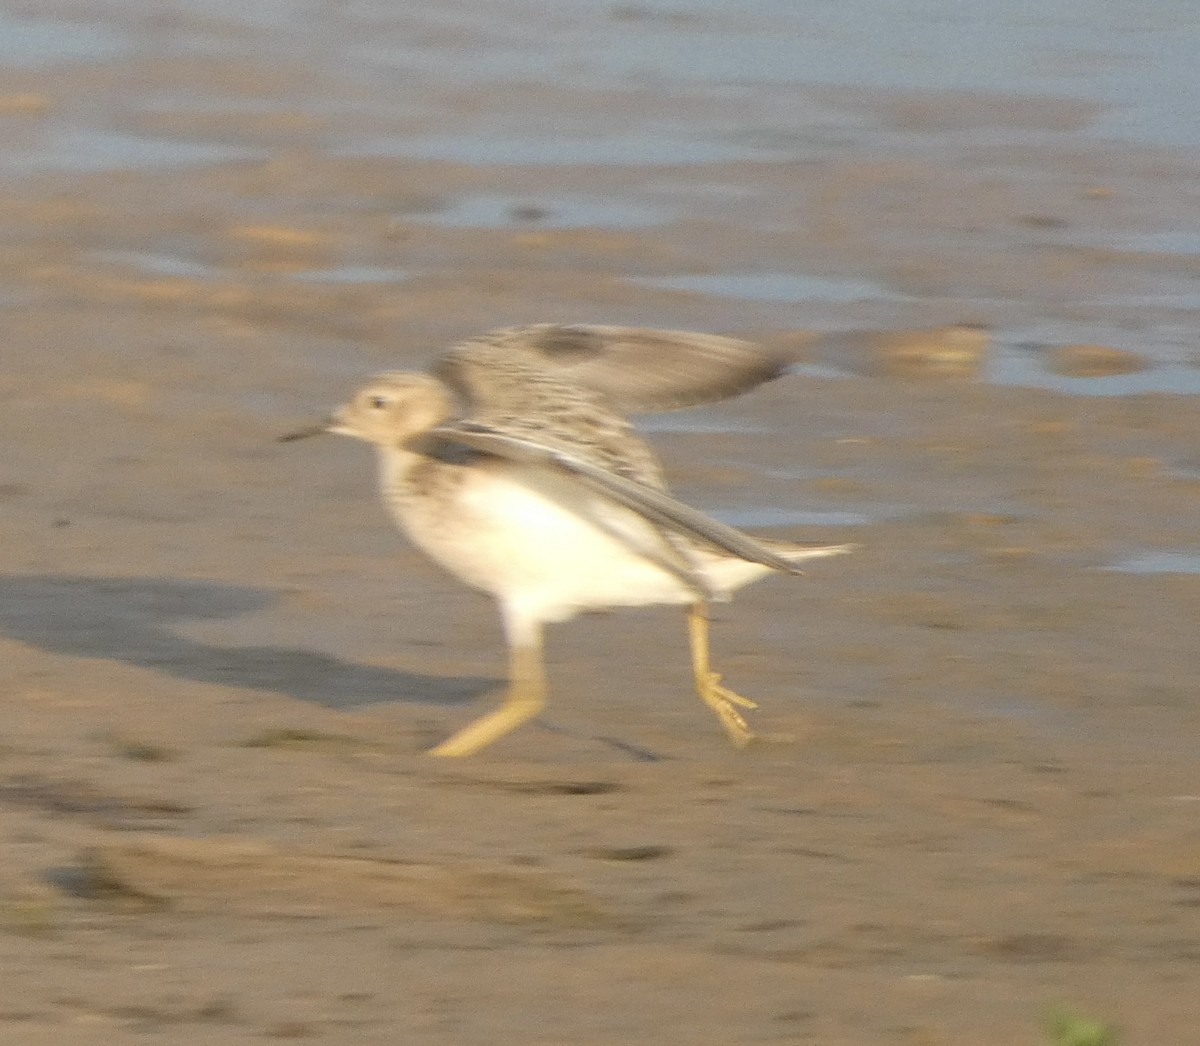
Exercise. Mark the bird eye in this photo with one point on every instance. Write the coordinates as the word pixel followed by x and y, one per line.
pixel 379 402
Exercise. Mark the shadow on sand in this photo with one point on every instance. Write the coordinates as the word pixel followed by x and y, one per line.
pixel 129 620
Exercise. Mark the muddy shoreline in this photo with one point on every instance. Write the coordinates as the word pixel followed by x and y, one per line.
pixel 221 666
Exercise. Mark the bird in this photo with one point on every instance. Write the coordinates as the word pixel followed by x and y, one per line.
pixel 513 464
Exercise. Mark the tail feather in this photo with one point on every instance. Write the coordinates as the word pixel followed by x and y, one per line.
pixel 798 552
pixel 727 573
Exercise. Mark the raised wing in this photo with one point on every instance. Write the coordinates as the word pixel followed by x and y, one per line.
pixel 653 504
pixel 636 369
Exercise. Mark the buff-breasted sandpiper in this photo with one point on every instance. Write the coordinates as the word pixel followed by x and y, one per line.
pixel 513 465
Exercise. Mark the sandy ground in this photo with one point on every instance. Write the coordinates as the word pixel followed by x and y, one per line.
pixel 220 666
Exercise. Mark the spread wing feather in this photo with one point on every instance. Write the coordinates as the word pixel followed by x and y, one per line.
pixel 653 504
pixel 635 369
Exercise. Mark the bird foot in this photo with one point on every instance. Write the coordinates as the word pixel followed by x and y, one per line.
pixel 725 703
pixel 714 684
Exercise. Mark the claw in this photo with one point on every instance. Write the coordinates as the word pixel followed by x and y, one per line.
pixel 725 694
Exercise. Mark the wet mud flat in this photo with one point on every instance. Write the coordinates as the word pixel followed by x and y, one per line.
pixel 221 666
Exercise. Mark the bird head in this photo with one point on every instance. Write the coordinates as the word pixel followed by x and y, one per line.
pixel 388 411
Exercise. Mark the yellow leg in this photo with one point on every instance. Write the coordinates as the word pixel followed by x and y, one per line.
pixel 526 697
pixel 720 699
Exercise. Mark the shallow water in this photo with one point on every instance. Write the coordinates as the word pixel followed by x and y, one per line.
pixel 35 43
pixel 84 151
pixel 668 91
pixel 353 274
pixel 488 211
pixel 1134 60
pixel 159 264
pixel 1163 241
pixel 767 516
pixel 1159 561
pixel 651 150
pixel 773 286
pixel 1017 365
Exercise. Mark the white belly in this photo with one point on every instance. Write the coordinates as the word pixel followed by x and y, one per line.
pixel 541 543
